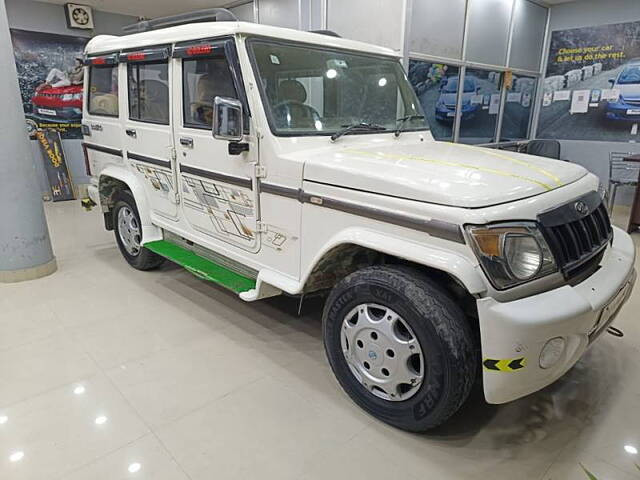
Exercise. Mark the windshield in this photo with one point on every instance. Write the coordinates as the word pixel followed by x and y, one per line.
pixel 316 91
pixel 630 75
pixel 452 85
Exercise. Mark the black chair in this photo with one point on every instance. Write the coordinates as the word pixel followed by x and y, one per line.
pixel 544 148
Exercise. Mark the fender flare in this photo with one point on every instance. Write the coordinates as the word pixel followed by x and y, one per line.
pixel 453 263
pixel 150 232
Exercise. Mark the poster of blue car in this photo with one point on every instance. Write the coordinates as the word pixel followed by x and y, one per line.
pixel 591 89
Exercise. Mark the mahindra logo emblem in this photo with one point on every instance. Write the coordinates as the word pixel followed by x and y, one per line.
pixel 581 208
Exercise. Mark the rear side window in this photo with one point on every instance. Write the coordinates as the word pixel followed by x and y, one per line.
pixel 149 92
pixel 203 79
pixel 103 90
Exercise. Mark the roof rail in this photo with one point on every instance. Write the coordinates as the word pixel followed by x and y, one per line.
pixel 331 33
pixel 206 15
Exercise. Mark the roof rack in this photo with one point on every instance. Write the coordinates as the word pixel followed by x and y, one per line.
pixel 206 15
pixel 331 33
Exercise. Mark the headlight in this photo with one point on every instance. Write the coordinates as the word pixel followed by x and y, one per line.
pixel 511 254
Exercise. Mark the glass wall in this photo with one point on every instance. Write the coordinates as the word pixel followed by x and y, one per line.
pixel 480 106
pixel 436 87
pixel 518 108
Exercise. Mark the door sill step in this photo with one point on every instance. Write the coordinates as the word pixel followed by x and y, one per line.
pixel 202 267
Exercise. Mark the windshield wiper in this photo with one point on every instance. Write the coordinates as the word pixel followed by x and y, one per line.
pixel 362 126
pixel 403 120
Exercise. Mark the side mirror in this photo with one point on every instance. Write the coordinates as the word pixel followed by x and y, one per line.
pixel 228 119
pixel 612 81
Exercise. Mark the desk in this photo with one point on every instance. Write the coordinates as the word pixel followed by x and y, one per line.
pixel 634 218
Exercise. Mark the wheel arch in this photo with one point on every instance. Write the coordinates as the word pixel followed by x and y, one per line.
pixel 113 180
pixel 355 248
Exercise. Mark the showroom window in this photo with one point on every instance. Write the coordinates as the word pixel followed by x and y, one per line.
pixel 435 85
pixel 480 106
pixel 103 90
pixel 518 108
pixel 149 92
pixel 202 81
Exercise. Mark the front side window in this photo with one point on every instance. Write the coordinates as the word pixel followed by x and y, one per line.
pixel 315 91
pixel 204 79
pixel 103 90
pixel 149 92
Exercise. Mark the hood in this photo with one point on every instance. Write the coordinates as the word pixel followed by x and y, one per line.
pixel 629 90
pixel 438 172
pixel 448 98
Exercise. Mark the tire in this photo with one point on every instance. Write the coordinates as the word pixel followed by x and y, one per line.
pixel 444 339
pixel 140 258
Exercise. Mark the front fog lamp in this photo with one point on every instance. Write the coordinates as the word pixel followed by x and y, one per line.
pixel 511 254
pixel 552 352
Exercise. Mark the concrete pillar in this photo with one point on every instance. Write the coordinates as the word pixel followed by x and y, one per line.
pixel 25 247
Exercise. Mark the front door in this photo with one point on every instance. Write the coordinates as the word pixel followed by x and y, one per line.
pixel 218 191
pixel 148 135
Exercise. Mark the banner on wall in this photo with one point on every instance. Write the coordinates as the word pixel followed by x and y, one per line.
pixel 50 75
pixel 591 89
pixel 55 165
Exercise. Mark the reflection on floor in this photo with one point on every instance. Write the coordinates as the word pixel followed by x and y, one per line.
pixel 107 372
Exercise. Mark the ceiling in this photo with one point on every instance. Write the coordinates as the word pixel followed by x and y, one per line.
pixel 147 8
pixel 159 8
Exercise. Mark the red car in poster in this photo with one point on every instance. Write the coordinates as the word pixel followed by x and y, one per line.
pixel 59 103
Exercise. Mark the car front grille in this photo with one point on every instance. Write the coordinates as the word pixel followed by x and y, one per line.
pixel 634 102
pixel 577 234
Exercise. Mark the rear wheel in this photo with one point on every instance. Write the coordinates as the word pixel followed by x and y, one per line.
pixel 400 346
pixel 128 230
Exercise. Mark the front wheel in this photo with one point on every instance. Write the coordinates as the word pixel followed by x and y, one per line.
pixel 400 346
pixel 128 230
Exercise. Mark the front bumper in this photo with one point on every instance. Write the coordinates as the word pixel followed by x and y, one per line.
pixel 518 330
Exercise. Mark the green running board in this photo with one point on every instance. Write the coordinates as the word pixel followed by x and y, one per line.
pixel 201 267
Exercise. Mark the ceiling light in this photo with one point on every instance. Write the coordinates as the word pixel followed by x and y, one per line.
pixel 16 456
pixel 631 449
pixel 332 73
pixel 134 467
pixel 3 419
pixel 79 390
pixel 382 82
pixel 101 420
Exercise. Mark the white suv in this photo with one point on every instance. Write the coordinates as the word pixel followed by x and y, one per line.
pixel 273 161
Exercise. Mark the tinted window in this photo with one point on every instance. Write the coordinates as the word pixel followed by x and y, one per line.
pixel 149 92
pixel 204 79
pixel 103 90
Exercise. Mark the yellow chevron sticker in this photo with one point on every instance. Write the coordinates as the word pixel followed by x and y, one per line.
pixel 504 364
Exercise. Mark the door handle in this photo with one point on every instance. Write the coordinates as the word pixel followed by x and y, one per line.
pixel 186 142
pixel 131 132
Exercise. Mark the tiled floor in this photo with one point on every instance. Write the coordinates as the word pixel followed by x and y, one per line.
pixel 110 373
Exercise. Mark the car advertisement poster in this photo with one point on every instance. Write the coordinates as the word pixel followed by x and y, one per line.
pixel 50 75
pixel 55 164
pixel 591 89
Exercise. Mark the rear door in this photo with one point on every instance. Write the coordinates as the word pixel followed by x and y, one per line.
pixel 219 198
pixel 148 131
pixel 101 123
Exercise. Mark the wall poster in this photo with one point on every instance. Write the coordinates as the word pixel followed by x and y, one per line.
pixel 592 86
pixel 55 165
pixel 50 75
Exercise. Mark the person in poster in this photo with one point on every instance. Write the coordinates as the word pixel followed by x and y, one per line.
pixel 50 74
pixel 601 66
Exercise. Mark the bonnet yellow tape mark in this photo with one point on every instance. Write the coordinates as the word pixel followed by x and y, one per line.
pixel 493 153
pixel 503 173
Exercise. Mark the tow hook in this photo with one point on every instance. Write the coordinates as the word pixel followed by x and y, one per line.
pixel 87 204
pixel 616 332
